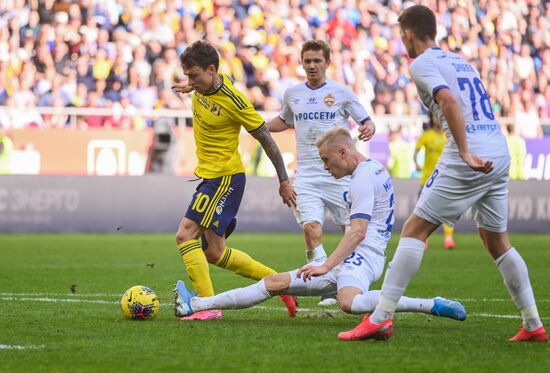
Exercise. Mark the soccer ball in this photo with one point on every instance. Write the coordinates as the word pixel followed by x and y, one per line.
pixel 139 303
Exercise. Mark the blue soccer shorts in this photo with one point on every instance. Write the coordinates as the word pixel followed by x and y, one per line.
pixel 216 202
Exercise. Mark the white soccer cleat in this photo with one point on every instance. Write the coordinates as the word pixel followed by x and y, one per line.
pixel 328 300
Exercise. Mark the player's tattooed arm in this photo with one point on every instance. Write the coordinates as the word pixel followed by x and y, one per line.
pixel 272 150
pixel 270 147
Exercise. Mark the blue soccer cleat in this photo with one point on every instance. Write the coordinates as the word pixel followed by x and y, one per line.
pixel 448 308
pixel 182 298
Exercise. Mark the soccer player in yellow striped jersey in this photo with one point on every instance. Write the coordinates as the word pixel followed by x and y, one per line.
pixel 217 119
pixel 219 111
pixel 433 142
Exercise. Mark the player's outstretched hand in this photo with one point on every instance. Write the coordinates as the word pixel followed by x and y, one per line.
pixel 307 271
pixel 182 88
pixel 287 193
pixel 366 131
pixel 477 164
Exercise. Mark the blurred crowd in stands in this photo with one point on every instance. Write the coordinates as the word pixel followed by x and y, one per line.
pixel 125 54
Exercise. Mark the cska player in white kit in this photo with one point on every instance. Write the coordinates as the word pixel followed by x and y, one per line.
pixel 355 264
pixel 472 172
pixel 312 108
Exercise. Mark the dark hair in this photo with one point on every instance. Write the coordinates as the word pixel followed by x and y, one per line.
pixel 420 20
pixel 316 45
pixel 201 53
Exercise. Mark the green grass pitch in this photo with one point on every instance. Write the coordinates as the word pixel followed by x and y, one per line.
pixel 57 330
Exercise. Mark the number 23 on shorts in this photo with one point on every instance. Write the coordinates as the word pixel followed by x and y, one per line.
pixel 355 259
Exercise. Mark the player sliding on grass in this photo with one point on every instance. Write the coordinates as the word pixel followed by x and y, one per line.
pixel 312 108
pixel 464 177
pixel 357 262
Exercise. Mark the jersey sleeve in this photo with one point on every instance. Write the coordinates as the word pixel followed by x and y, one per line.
pixel 286 112
pixel 244 113
pixel 426 75
pixel 354 108
pixel 362 196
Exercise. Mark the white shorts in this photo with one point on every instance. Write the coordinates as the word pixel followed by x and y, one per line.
pixel 451 190
pixel 364 266
pixel 360 270
pixel 316 195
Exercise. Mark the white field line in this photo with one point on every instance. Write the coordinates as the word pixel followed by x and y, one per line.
pixel 488 315
pixel 97 301
pixel 496 316
pixel 85 295
pixel 99 295
pixel 58 300
pixel 13 347
pixel 495 300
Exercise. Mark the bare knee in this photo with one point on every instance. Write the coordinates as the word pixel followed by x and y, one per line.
pixel 187 230
pixel 215 248
pixel 345 303
pixel 181 237
pixel 346 295
pixel 313 233
pixel 277 283
pixel 212 256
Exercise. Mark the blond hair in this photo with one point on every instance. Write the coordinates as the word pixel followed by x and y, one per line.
pixel 336 136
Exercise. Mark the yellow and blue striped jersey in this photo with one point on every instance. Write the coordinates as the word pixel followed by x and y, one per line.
pixel 433 144
pixel 217 121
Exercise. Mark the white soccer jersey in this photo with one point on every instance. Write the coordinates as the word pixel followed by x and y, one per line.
pixel 434 70
pixel 371 197
pixel 314 111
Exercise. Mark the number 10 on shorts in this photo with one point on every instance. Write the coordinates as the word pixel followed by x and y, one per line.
pixel 201 202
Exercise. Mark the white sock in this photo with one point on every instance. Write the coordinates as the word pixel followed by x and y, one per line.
pixel 516 278
pixel 531 319
pixel 317 254
pixel 233 299
pixel 401 270
pixel 367 302
pixel 422 305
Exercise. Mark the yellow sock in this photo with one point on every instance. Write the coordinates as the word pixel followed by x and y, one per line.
pixel 242 264
pixel 448 231
pixel 197 267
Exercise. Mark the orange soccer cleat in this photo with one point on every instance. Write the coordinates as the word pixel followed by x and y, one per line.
pixel 204 315
pixel 537 335
pixel 449 243
pixel 290 303
pixel 368 330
